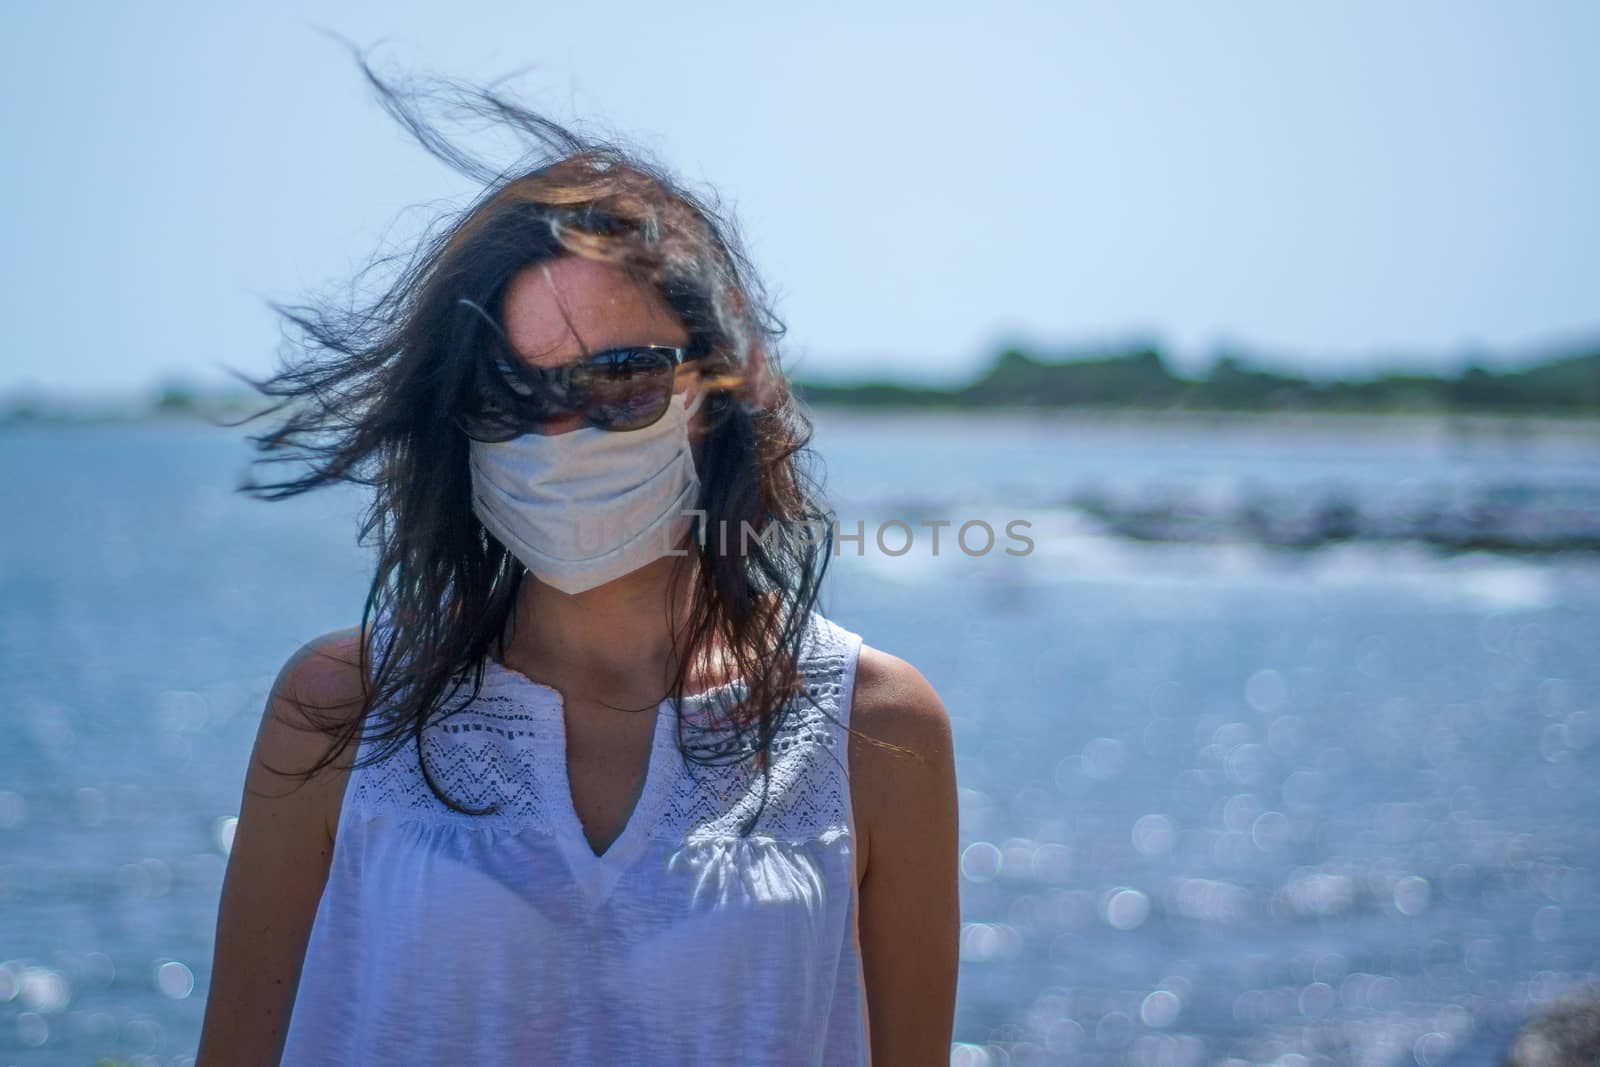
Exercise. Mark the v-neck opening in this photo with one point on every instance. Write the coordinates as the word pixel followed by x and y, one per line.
pixel 595 873
pixel 639 812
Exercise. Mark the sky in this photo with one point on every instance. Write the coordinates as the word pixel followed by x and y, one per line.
pixel 1335 186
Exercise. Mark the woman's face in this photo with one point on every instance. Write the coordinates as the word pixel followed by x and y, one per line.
pixel 606 307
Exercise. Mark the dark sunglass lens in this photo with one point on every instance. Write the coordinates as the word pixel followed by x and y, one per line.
pixel 628 391
pixel 511 400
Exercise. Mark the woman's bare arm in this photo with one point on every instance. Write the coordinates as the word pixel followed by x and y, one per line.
pixel 906 825
pixel 282 847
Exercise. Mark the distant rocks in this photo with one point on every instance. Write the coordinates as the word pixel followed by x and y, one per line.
pixel 1513 519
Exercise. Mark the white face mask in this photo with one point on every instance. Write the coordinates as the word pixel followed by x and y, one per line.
pixel 585 507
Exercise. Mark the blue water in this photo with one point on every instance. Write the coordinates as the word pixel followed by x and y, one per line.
pixel 1221 804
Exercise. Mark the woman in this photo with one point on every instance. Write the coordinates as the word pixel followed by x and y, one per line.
pixel 594 781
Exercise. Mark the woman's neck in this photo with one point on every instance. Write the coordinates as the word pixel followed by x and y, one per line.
pixel 611 643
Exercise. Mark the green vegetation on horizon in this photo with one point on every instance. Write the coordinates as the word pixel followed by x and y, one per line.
pixel 1141 379
pixel 1138 379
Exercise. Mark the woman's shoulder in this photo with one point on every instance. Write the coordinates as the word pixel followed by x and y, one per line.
pixel 325 668
pixel 319 691
pixel 902 761
pixel 889 698
pixel 893 701
pixel 323 684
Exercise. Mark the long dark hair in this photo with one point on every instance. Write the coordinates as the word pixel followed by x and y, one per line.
pixel 368 392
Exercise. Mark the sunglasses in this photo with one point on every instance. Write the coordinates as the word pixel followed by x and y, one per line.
pixel 620 389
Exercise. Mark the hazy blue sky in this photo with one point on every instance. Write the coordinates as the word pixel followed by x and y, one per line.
pixel 917 182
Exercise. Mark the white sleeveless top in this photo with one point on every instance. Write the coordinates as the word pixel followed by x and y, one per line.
pixel 444 938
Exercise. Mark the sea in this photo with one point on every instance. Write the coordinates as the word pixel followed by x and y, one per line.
pixel 1227 796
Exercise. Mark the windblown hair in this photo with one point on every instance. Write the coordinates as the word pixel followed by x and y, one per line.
pixel 368 393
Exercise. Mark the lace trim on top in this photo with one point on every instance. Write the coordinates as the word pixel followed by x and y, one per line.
pixel 506 747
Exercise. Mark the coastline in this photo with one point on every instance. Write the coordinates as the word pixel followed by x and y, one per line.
pixel 1098 417
pixel 1189 419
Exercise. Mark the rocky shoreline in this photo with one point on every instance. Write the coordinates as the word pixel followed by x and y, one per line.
pixel 1497 518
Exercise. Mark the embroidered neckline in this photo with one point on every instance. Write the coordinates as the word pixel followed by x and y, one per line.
pixel 516 679
pixel 502 749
